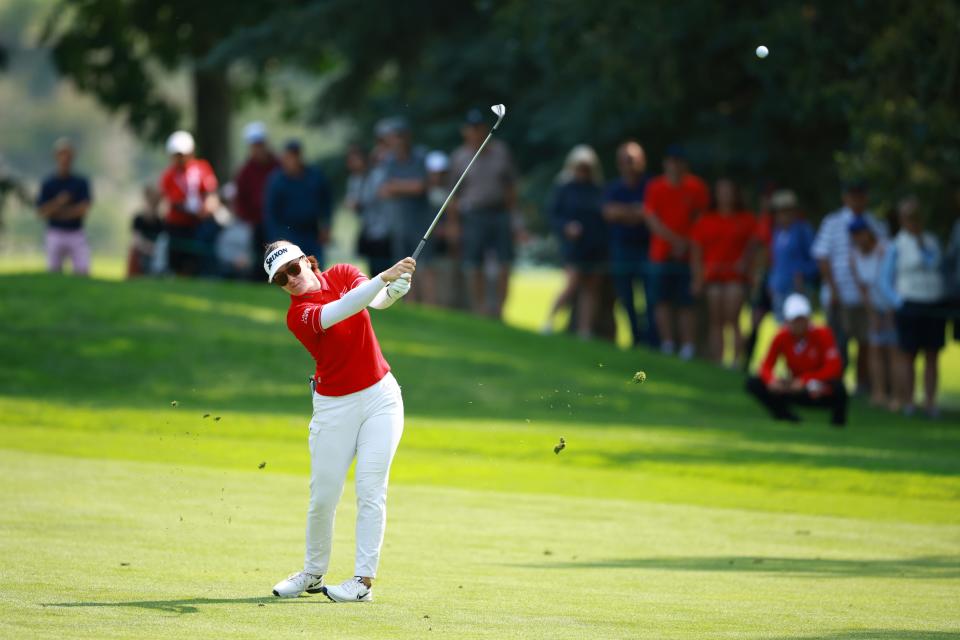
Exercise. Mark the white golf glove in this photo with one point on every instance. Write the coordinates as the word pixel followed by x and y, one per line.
pixel 399 287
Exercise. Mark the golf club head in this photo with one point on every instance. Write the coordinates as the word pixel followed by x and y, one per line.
pixel 499 110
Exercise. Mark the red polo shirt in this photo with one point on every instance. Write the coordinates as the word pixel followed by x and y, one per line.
pixel 724 240
pixel 675 206
pixel 251 182
pixel 812 357
pixel 347 354
pixel 186 188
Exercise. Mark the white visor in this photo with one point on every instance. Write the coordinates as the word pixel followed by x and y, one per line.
pixel 280 256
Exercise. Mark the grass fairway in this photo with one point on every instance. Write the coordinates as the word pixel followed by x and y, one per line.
pixel 676 511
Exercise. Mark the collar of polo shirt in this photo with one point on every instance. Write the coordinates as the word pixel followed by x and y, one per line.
pixel 280 256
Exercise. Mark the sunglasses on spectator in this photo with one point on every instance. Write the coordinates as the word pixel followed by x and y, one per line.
pixel 281 277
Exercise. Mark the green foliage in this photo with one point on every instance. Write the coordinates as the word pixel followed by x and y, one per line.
pixel 851 89
pixel 120 51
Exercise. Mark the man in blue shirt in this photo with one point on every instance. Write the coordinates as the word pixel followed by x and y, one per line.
pixel 792 267
pixel 64 201
pixel 629 238
pixel 297 203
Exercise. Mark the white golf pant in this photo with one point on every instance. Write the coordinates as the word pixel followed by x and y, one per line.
pixel 367 424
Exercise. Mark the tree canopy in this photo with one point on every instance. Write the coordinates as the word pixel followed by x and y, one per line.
pixel 850 89
pixel 122 52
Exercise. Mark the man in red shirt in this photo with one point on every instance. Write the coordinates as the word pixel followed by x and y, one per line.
pixel 189 189
pixel 672 203
pixel 251 183
pixel 814 365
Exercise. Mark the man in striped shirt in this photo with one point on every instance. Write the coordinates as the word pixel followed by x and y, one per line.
pixel 840 296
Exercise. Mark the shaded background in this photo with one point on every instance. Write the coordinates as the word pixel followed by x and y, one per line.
pixel 850 90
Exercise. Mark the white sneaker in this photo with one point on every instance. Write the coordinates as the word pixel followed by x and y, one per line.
pixel 297 584
pixel 353 590
pixel 687 352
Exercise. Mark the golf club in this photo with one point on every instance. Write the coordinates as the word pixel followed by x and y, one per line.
pixel 499 110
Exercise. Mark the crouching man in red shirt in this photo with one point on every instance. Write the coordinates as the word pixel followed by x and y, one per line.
pixel 815 369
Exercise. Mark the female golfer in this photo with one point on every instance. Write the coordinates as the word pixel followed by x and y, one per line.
pixel 357 408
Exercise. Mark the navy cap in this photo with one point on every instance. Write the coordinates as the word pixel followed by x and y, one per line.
pixel 293 145
pixel 857 225
pixel 676 151
pixel 475 117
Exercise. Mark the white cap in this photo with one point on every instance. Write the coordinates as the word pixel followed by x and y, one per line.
pixel 284 254
pixel 796 306
pixel 180 142
pixel 229 191
pixel 437 161
pixel 255 132
pixel 783 199
pixel 63 144
pixel 582 154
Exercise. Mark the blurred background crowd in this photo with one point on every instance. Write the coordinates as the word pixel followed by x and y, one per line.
pixel 691 199
pixel 683 258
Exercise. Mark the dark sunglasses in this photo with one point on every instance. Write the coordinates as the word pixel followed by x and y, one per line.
pixel 281 277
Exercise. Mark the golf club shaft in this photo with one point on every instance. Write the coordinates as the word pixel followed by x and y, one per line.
pixel 443 207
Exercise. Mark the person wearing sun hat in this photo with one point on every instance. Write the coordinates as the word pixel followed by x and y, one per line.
pixel 813 364
pixel 357 406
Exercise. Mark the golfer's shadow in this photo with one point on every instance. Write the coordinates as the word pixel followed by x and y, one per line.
pixel 187 605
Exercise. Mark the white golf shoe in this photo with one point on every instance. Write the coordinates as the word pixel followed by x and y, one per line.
pixel 297 584
pixel 353 590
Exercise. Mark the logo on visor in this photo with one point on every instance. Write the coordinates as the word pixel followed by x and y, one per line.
pixel 273 256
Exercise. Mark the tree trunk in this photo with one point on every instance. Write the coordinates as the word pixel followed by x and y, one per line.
pixel 211 103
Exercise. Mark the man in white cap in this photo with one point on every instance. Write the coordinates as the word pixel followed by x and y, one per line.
pixel 189 189
pixel 814 366
pixel 251 182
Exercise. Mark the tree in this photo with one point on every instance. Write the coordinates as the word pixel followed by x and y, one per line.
pixel 123 52
pixel 850 89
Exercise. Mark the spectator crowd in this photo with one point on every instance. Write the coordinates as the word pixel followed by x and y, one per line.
pixel 697 254
pixel 700 254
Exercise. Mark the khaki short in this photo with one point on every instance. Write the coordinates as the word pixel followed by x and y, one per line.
pixel 725 289
pixel 853 318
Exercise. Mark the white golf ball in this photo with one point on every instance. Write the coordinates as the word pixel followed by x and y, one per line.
pixel 762 51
